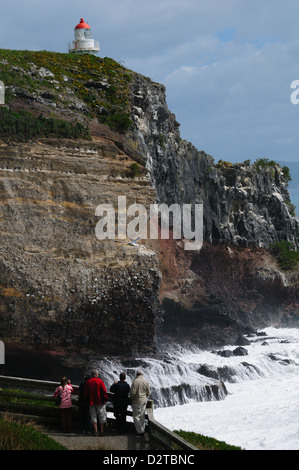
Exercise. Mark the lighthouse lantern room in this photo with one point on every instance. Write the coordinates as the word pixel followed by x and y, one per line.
pixel 83 43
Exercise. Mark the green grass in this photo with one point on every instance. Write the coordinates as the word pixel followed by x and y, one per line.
pixel 17 396
pixel 204 442
pixel 17 436
pixel 101 83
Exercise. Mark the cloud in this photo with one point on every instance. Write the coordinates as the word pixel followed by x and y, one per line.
pixel 227 66
pixel 239 107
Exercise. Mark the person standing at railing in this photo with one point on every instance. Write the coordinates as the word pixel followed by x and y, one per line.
pixel 121 390
pixel 65 391
pixel 96 393
pixel 139 393
pixel 83 407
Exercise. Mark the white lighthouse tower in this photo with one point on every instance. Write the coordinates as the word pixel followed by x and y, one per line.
pixel 83 43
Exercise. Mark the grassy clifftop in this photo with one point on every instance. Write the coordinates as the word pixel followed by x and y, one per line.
pixel 73 86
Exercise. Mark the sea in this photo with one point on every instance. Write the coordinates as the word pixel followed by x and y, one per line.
pixel 250 400
pixel 261 408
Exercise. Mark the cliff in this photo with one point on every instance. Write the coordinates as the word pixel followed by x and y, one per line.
pixel 81 131
pixel 234 283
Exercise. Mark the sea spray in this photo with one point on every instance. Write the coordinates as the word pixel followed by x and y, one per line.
pixel 185 376
pixel 261 409
pixel 172 381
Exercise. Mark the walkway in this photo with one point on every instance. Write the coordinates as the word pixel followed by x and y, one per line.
pixel 111 440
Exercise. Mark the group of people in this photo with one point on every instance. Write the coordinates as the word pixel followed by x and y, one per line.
pixel 93 397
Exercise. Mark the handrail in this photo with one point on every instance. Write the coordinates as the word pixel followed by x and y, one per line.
pixel 31 383
pixel 160 436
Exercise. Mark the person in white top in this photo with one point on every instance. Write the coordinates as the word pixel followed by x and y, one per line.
pixel 139 393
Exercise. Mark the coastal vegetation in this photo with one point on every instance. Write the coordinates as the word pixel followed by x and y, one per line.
pixel 266 163
pixel 97 87
pixel 23 126
pixel 19 397
pixel 262 163
pixel 204 442
pixel 17 436
pixel 286 257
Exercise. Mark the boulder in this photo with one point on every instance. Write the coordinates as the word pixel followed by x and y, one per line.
pixel 225 353
pixel 240 351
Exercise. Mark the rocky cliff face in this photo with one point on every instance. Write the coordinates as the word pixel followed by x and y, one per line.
pixel 246 205
pixel 233 284
pixel 61 287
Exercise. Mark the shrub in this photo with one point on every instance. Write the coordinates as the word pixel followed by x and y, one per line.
pixel 224 164
pixel 264 163
pixel 22 125
pixel 134 170
pixel 286 173
pixel 286 257
pixel 119 122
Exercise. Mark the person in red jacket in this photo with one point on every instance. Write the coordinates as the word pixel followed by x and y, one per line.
pixel 96 394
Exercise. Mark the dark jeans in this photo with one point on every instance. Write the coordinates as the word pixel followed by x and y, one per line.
pixel 85 418
pixel 66 419
pixel 120 414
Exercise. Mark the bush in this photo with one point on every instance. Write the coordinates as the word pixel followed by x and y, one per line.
pixel 224 164
pixel 119 122
pixel 265 162
pixel 134 170
pixel 24 126
pixel 286 257
pixel 286 173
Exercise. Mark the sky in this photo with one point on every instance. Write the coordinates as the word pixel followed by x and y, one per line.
pixel 227 65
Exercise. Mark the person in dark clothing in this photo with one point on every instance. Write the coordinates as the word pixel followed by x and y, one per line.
pixel 83 408
pixel 121 390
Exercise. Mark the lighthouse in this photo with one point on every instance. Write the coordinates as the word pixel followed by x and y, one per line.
pixel 83 43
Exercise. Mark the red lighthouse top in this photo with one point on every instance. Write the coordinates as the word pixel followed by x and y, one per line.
pixel 82 25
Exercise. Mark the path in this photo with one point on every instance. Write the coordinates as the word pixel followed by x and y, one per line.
pixel 111 440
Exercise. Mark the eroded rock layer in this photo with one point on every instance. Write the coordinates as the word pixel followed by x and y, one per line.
pixel 60 284
pixel 62 287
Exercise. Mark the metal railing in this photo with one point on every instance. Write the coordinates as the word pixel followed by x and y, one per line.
pixel 161 438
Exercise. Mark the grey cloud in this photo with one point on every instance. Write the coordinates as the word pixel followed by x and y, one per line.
pixel 229 92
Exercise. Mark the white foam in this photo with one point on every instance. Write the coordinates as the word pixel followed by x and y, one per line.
pixel 261 411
